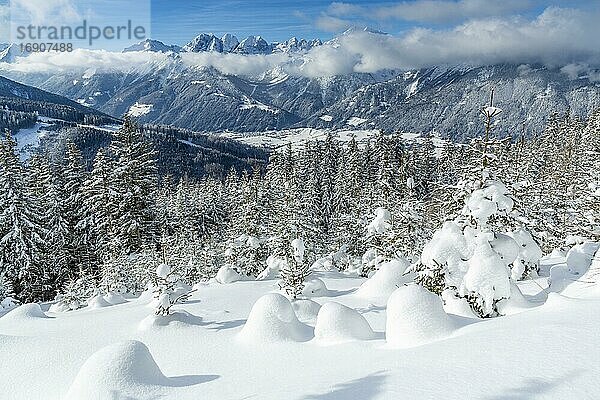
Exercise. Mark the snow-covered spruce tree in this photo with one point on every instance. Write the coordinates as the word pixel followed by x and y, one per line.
pixel 135 182
pixel 349 223
pixel 410 225
pixel 73 177
pixel 591 177
pixel 380 242
pixel 471 257
pixel 58 237
pixel 97 225
pixel 247 248
pixel 295 271
pixel 165 283
pixel 75 293
pixel 21 243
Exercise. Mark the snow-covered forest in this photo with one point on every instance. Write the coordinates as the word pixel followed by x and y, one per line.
pixel 386 241
pixel 69 233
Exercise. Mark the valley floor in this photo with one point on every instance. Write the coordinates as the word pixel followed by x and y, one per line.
pixel 547 349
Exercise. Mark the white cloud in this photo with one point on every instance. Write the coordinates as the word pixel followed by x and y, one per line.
pixel 45 12
pixel 236 64
pixel 332 24
pixel 582 70
pixel 4 23
pixel 557 37
pixel 449 11
pixel 564 38
pixel 80 60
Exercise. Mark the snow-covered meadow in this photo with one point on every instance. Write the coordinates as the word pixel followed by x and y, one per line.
pixel 239 340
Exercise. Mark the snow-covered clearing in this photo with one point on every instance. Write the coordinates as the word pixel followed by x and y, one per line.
pixel 139 109
pixel 29 138
pixel 548 348
pixel 298 137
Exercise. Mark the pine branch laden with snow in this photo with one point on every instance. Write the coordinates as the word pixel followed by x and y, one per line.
pixel 295 271
pixel 166 291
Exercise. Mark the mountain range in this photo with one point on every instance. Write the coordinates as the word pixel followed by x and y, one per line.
pixel 445 99
pixel 228 43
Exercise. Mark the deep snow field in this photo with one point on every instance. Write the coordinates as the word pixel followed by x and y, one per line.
pixel 547 347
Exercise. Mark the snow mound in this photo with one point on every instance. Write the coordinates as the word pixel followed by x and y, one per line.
pixel 388 278
pixel 274 265
pixel 579 257
pixel 29 311
pixel 381 223
pixel 314 287
pixel 8 303
pixel 306 310
pixel 506 247
pixel 178 318
pixel 456 305
pixel 488 276
pixel 227 274
pixel 515 304
pixel 415 316
pixel 120 371
pixel 114 298
pixel 272 319
pixel 529 253
pixel 97 301
pixel 338 323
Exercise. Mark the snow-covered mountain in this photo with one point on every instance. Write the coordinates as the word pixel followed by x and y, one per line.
pixel 443 99
pixel 446 99
pixel 151 45
pixel 9 52
pixel 229 43
pixel 294 45
pixel 253 45
pixel 23 93
pixel 204 42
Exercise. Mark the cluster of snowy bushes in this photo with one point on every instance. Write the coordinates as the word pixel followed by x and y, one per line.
pixel 471 219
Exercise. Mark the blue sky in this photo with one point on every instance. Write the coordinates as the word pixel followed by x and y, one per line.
pixel 178 21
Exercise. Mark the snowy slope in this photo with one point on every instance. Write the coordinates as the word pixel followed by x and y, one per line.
pixel 550 350
pixel 29 139
pixel 299 136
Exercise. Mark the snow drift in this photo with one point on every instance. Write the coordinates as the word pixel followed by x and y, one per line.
pixel 415 316
pixel 306 310
pixel 388 278
pixel 30 311
pixel 227 274
pixel 314 287
pixel 338 323
pixel 124 370
pixel 272 319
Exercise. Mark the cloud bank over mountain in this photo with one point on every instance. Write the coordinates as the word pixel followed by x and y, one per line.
pixel 557 37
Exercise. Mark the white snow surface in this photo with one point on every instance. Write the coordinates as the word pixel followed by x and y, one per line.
pixel 272 319
pixel 389 277
pixel 139 109
pixel 415 316
pixel 548 350
pixel 227 274
pixel 338 323
pixel 381 223
pixel 119 371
